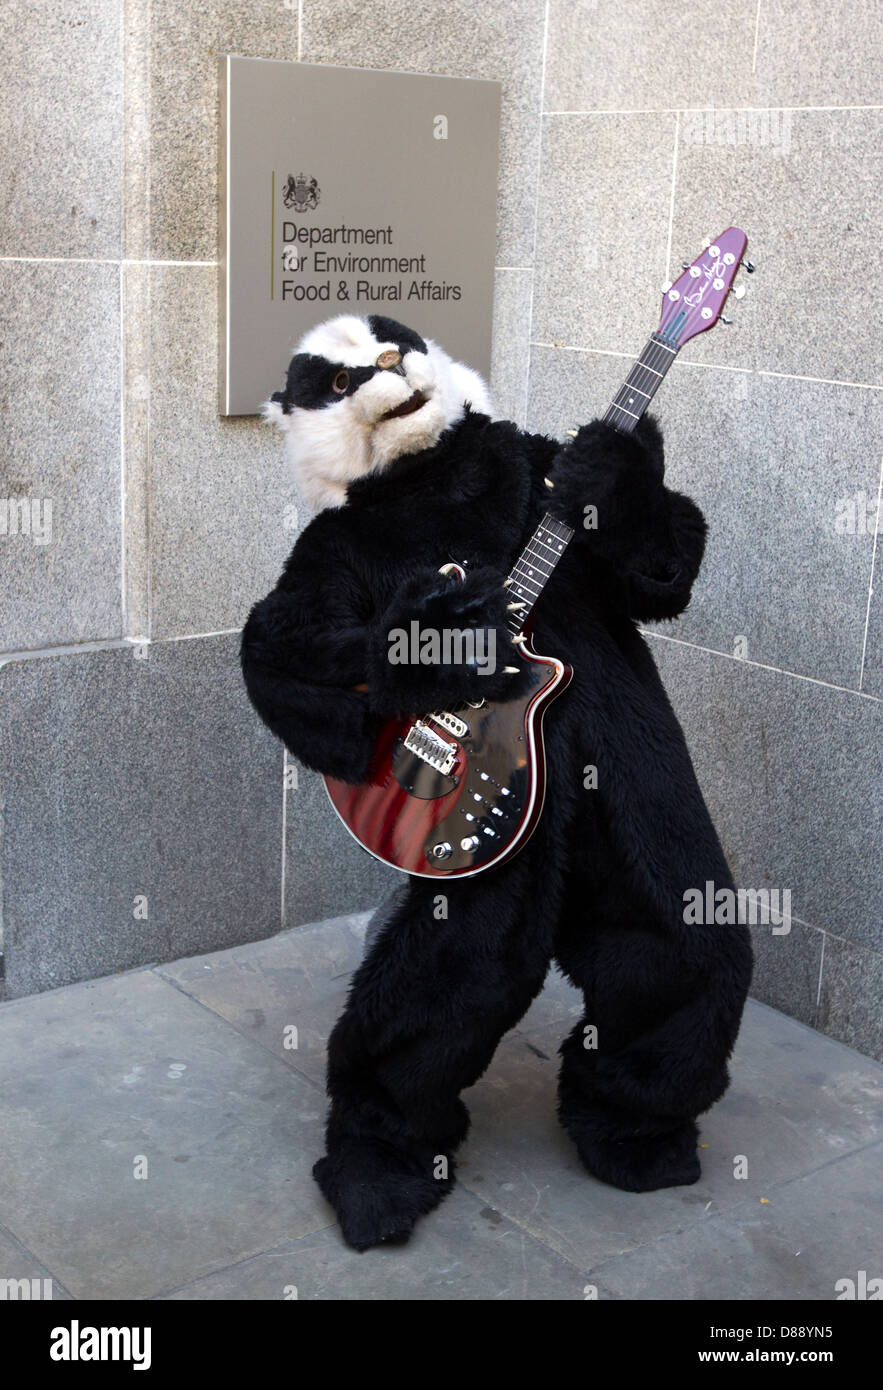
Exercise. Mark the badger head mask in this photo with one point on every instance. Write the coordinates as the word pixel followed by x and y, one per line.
pixel 361 392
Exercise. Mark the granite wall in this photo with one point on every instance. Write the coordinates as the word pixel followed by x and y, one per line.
pixel 145 811
pixel 662 125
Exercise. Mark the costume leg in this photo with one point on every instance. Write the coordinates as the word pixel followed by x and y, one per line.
pixel 663 1002
pixel 453 966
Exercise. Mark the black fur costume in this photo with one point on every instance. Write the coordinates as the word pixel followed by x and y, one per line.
pixel 600 886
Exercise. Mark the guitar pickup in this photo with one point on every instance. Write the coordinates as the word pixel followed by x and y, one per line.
pixel 430 747
pixel 451 722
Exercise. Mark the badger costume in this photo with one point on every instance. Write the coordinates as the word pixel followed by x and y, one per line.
pixel 395 444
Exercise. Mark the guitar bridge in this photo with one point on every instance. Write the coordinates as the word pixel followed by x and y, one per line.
pixel 430 747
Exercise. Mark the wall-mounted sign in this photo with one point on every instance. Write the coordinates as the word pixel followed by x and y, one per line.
pixel 351 191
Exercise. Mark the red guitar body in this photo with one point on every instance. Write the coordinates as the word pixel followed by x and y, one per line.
pixel 481 809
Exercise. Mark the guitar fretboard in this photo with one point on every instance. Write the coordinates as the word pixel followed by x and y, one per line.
pixel 535 564
pixel 641 384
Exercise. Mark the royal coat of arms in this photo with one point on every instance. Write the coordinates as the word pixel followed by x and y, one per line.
pixel 301 193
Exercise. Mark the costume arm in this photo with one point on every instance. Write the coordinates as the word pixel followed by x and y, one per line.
pixel 303 658
pixel 644 543
pixel 316 657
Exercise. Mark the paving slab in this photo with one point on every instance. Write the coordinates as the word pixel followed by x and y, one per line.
pixel 294 981
pixel 23 1279
pixel 784 1115
pixel 799 1243
pixel 465 1250
pixel 822 1098
pixel 128 1075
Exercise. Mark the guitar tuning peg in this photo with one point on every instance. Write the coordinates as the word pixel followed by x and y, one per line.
pixel 739 292
pixel 685 265
pixel 724 319
pixel 706 242
pixel 666 286
pixel 749 266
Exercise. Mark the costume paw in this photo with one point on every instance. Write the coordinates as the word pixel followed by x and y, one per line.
pixel 442 642
pixel 620 475
pixel 377 1193
pixel 644 1162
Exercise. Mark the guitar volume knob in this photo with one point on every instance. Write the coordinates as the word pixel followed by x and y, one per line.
pixel 470 842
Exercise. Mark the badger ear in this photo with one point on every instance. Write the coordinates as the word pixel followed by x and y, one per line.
pixel 273 410
pixel 472 389
pixel 460 385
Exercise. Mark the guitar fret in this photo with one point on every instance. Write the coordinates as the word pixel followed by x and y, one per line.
pixel 541 559
pixel 540 540
pixel 559 529
pixel 535 540
pixel 524 555
pixel 649 381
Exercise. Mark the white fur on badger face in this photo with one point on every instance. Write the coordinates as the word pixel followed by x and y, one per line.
pixel 332 444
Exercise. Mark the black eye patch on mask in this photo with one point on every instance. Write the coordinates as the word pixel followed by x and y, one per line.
pixel 389 331
pixel 311 382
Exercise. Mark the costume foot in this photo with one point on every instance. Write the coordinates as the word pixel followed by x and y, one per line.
pixel 643 1163
pixel 378 1193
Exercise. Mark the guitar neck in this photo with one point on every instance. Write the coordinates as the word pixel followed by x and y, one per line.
pixel 641 384
pixel 536 563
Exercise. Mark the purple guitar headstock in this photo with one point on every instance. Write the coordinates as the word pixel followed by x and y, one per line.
pixel 696 299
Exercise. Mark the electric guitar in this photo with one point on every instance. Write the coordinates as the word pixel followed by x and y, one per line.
pixel 456 792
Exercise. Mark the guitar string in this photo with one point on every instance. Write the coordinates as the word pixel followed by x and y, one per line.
pixel 655 356
pixel 526 580
pixel 650 368
pixel 638 374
